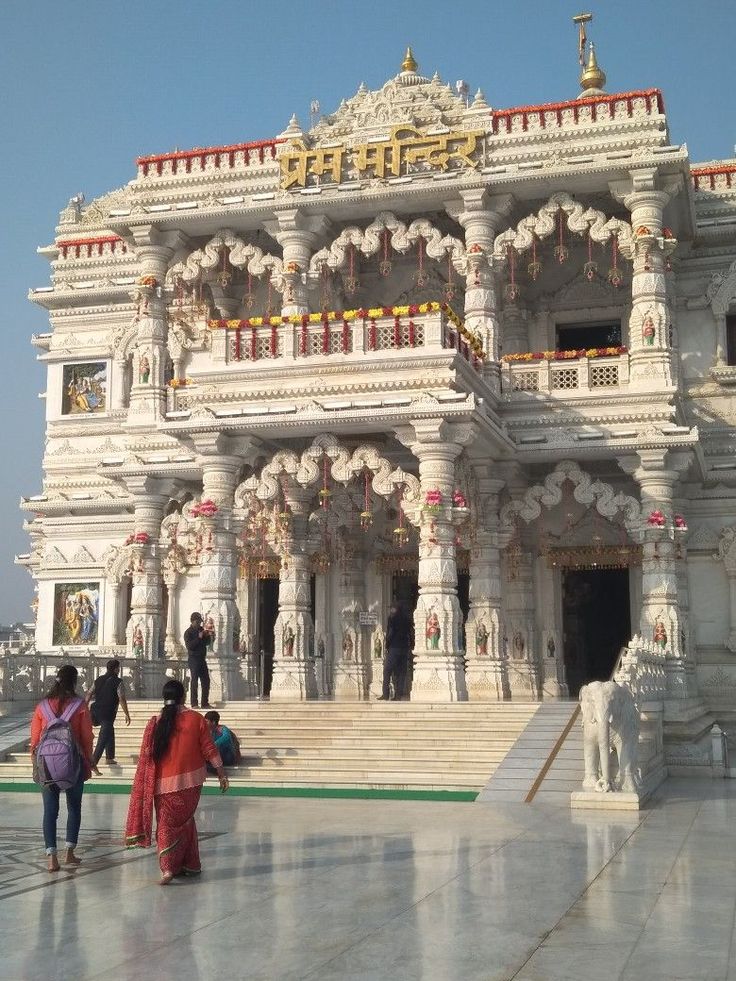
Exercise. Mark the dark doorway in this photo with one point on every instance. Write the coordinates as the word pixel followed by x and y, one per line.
pixel 573 337
pixel 596 623
pixel 405 590
pixel 268 609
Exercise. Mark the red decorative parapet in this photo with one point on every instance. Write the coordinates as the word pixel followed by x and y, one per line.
pixel 223 156
pixel 708 175
pixel 551 113
pixel 90 246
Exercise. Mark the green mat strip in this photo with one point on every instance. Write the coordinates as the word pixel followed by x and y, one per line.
pixel 342 793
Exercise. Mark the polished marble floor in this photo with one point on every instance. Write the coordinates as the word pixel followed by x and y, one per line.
pixel 310 889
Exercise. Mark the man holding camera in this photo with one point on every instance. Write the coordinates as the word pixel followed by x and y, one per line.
pixel 196 641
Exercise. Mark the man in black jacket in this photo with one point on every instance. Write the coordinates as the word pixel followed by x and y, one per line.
pixel 398 645
pixel 196 639
pixel 106 695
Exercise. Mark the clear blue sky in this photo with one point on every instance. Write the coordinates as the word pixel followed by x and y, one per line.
pixel 89 85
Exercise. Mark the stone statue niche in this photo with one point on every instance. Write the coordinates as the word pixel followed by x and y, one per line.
pixel 610 725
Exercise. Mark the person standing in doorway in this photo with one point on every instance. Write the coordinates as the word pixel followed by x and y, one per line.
pixel 106 695
pixel 398 645
pixel 196 639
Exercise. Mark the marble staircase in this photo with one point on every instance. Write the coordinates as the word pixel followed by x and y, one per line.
pixel 546 763
pixel 364 745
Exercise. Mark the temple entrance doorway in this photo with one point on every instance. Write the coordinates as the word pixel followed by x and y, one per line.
pixel 268 609
pixel 596 623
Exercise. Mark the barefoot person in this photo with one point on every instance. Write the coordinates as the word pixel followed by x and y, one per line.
pixel 61 747
pixel 176 748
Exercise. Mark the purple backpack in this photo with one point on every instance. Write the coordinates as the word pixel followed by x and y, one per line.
pixel 57 754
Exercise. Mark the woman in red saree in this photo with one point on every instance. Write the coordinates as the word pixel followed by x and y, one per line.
pixel 176 748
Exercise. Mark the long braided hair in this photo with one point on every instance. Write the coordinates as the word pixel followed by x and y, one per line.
pixel 173 696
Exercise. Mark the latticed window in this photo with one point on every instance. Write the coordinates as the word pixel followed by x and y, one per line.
pixel 408 334
pixel 335 341
pixel 564 378
pixel 263 347
pixel 526 381
pixel 603 375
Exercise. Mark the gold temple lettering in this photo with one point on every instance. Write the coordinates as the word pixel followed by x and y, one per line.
pixel 406 149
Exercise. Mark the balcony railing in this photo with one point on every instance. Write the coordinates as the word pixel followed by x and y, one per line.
pixel 560 375
pixel 341 333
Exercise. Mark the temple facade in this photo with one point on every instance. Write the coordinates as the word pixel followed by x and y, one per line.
pixel 477 360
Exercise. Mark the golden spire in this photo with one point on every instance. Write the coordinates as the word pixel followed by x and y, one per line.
pixel 409 63
pixel 592 76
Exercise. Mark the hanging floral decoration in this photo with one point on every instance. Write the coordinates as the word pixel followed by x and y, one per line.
pixel 384 266
pixel 535 266
pixel 615 276
pixel 561 251
pixel 511 290
pixel 325 493
pixel 656 519
pixel 224 276
pixel 449 290
pixel 591 267
pixel 148 281
pixel 351 280
pixel 421 277
pixel 680 523
pixel 366 515
pixel 400 532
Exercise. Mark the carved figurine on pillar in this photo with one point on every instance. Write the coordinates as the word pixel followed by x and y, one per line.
pixel 351 667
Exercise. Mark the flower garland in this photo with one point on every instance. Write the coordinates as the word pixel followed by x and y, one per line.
pixel 138 538
pixel 325 317
pixel 179 382
pixel 205 509
pixel 432 501
pixel 591 352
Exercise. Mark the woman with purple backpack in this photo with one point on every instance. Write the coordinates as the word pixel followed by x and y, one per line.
pixel 61 748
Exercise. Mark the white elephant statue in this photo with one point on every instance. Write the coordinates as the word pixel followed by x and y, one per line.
pixel 610 722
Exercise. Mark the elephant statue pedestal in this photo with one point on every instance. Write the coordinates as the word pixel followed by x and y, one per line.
pixel 610 721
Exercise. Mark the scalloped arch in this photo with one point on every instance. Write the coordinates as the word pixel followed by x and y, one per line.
pixel 579 220
pixel 722 290
pixel 370 241
pixel 306 470
pixel 242 255
pixel 586 491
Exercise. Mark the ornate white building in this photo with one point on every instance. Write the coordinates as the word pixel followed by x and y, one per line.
pixel 479 359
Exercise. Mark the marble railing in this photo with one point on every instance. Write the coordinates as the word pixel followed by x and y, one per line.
pixel 641 667
pixel 569 375
pixel 27 676
pixel 355 333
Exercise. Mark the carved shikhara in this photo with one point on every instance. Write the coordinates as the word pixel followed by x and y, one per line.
pixel 210 235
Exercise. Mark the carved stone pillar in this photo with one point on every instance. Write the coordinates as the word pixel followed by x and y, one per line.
pixel 519 641
pixel 218 574
pixel 727 552
pixel 145 630
pixel 148 389
pixel 351 659
pixel 650 326
pixel 480 216
pixel 293 666
pixel 486 671
pixel 661 619
pixel 439 674
pixel 297 234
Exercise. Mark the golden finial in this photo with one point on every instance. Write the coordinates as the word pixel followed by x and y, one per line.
pixel 409 63
pixel 592 76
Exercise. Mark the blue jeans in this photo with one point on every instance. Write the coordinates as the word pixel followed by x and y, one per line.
pixel 105 741
pixel 51 796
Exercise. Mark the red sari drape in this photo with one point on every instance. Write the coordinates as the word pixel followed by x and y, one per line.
pixel 176 831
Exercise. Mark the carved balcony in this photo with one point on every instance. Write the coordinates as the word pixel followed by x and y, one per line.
pixel 565 377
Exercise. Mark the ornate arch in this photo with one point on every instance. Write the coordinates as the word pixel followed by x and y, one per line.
pixel 306 470
pixel 586 491
pixel 242 255
pixel 579 220
pixel 123 340
pixel 370 241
